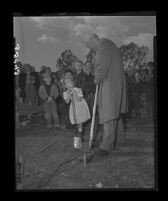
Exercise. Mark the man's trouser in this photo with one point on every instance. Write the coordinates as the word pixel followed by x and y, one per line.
pixel 113 130
pixel 121 137
pixel 50 110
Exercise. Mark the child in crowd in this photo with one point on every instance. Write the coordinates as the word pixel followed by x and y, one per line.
pixel 48 92
pixel 78 111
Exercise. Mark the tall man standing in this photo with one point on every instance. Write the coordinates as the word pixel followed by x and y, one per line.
pixel 109 75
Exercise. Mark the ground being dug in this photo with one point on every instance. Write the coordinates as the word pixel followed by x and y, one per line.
pixel 45 167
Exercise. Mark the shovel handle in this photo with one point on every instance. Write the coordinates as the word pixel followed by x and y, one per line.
pixel 93 117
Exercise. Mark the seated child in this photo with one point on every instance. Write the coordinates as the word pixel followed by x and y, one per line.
pixel 79 110
pixel 48 92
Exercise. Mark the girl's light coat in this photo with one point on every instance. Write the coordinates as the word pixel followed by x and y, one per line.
pixel 81 107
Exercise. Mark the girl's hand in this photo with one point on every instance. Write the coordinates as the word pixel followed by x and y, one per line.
pixel 70 93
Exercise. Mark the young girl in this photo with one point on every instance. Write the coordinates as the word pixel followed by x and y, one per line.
pixel 79 110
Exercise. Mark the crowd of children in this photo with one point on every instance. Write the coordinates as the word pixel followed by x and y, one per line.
pixel 51 90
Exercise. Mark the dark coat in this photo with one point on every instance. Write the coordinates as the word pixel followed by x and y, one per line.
pixel 109 73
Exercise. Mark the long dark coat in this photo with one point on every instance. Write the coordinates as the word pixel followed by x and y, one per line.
pixel 109 74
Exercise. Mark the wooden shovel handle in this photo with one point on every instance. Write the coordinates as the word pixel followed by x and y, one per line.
pixel 93 117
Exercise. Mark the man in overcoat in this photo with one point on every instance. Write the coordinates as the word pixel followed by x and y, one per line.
pixel 109 75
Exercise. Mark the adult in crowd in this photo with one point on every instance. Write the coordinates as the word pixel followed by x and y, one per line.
pixel 22 82
pixel 149 91
pixel 137 89
pixel 36 82
pixel 48 92
pixel 109 75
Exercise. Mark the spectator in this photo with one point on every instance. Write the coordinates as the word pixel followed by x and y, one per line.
pixel 59 101
pixel 36 83
pixel 48 92
pixel 129 82
pixel 149 92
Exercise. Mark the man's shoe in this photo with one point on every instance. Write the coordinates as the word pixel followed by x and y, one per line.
pixel 101 152
pixel 96 155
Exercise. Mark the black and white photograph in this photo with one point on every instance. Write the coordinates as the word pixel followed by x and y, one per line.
pixel 85 102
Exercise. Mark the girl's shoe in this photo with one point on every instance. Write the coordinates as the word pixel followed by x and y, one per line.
pixel 56 125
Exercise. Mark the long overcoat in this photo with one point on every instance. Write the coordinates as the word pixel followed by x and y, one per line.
pixel 109 74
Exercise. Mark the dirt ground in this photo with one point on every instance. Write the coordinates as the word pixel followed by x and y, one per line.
pixel 131 166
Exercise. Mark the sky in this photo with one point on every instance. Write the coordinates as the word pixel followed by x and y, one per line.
pixel 43 39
